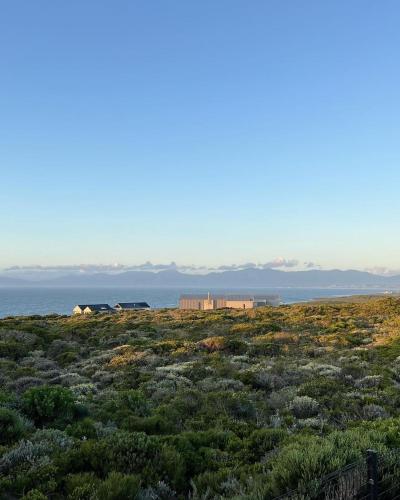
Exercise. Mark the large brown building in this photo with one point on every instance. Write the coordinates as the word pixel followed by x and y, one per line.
pixel 208 301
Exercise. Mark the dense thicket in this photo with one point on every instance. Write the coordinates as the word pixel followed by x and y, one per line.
pixel 172 404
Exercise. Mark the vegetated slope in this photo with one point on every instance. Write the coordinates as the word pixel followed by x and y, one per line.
pixel 171 404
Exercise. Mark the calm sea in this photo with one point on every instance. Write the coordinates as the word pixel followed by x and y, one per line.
pixel 25 301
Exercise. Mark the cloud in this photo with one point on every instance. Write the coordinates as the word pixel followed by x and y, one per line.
pixel 39 271
pixel 280 262
pixel 234 267
pixel 383 271
pixel 148 266
pixel 311 265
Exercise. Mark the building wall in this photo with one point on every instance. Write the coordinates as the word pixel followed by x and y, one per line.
pixel 239 304
pixel 209 304
pixel 220 303
pixel 191 304
pixel 217 303
pixel 77 310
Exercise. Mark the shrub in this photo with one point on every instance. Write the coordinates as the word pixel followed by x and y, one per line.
pixel 130 452
pixel 217 484
pixel 281 399
pixel 262 441
pixel 161 491
pixel 54 439
pixel 118 486
pixel 12 426
pixel 266 380
pixel 13 349
pixel 134 401
pixel 373 412
pixel 262 347
pixel 24 383
pixel 34 495
pixel 304 407
pixel 66 358
pixel 301 462
pixel 225 384
pixel 81 486
pixel 68 379
pixel 84 429
pixel 36 452
pixel 47 404
pixel 235 346
pixel 369 381
pixel 213 344
pixel 26 453
pixel 312 423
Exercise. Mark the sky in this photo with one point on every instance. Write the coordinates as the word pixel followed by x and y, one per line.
pixel 206 133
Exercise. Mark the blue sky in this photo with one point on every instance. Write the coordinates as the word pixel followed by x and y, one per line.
pixel 212 132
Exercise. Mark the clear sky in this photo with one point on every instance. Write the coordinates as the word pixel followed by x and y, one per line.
pixel 204 132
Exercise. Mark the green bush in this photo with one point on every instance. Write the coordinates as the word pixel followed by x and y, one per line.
pixel 34 495
pixel 81 486
pixel 126 403
pixel 118 486
pixel 47 404
pixel 12 426
pixel 83 429
pixel 130 452
pixel 12 349
pixel 301 462
pixel 261 441
pixel 66 358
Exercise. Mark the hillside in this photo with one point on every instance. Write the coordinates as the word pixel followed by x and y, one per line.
pixel 177 404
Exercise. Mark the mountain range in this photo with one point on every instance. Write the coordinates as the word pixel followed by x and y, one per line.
pixel 251 277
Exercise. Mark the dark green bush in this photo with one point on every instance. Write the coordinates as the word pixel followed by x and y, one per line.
pixel 83 429
pixel 47 404
pixel 130 452
pixel 34 495
pixel 12 426
pixel 118 486
pixel 261 441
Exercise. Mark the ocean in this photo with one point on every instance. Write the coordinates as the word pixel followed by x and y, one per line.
pixel 40 300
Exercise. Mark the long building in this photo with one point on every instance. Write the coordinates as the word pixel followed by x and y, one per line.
pixel 208 302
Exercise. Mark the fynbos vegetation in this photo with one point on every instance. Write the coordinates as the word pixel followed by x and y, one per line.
pixel 190 404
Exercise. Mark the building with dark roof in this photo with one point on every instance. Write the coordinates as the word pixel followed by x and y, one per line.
pixel 79 308
pixel 131 306
pixel 98 308
pixel 92 308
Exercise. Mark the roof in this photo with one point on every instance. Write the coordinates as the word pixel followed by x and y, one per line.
pixel 99 307
pixel 132 305
pixel 251 297
pixel 82 306
pixel 228 297
pixel 201 296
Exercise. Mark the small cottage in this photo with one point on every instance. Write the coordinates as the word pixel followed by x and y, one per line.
pixel 92 308
pixel 79 308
